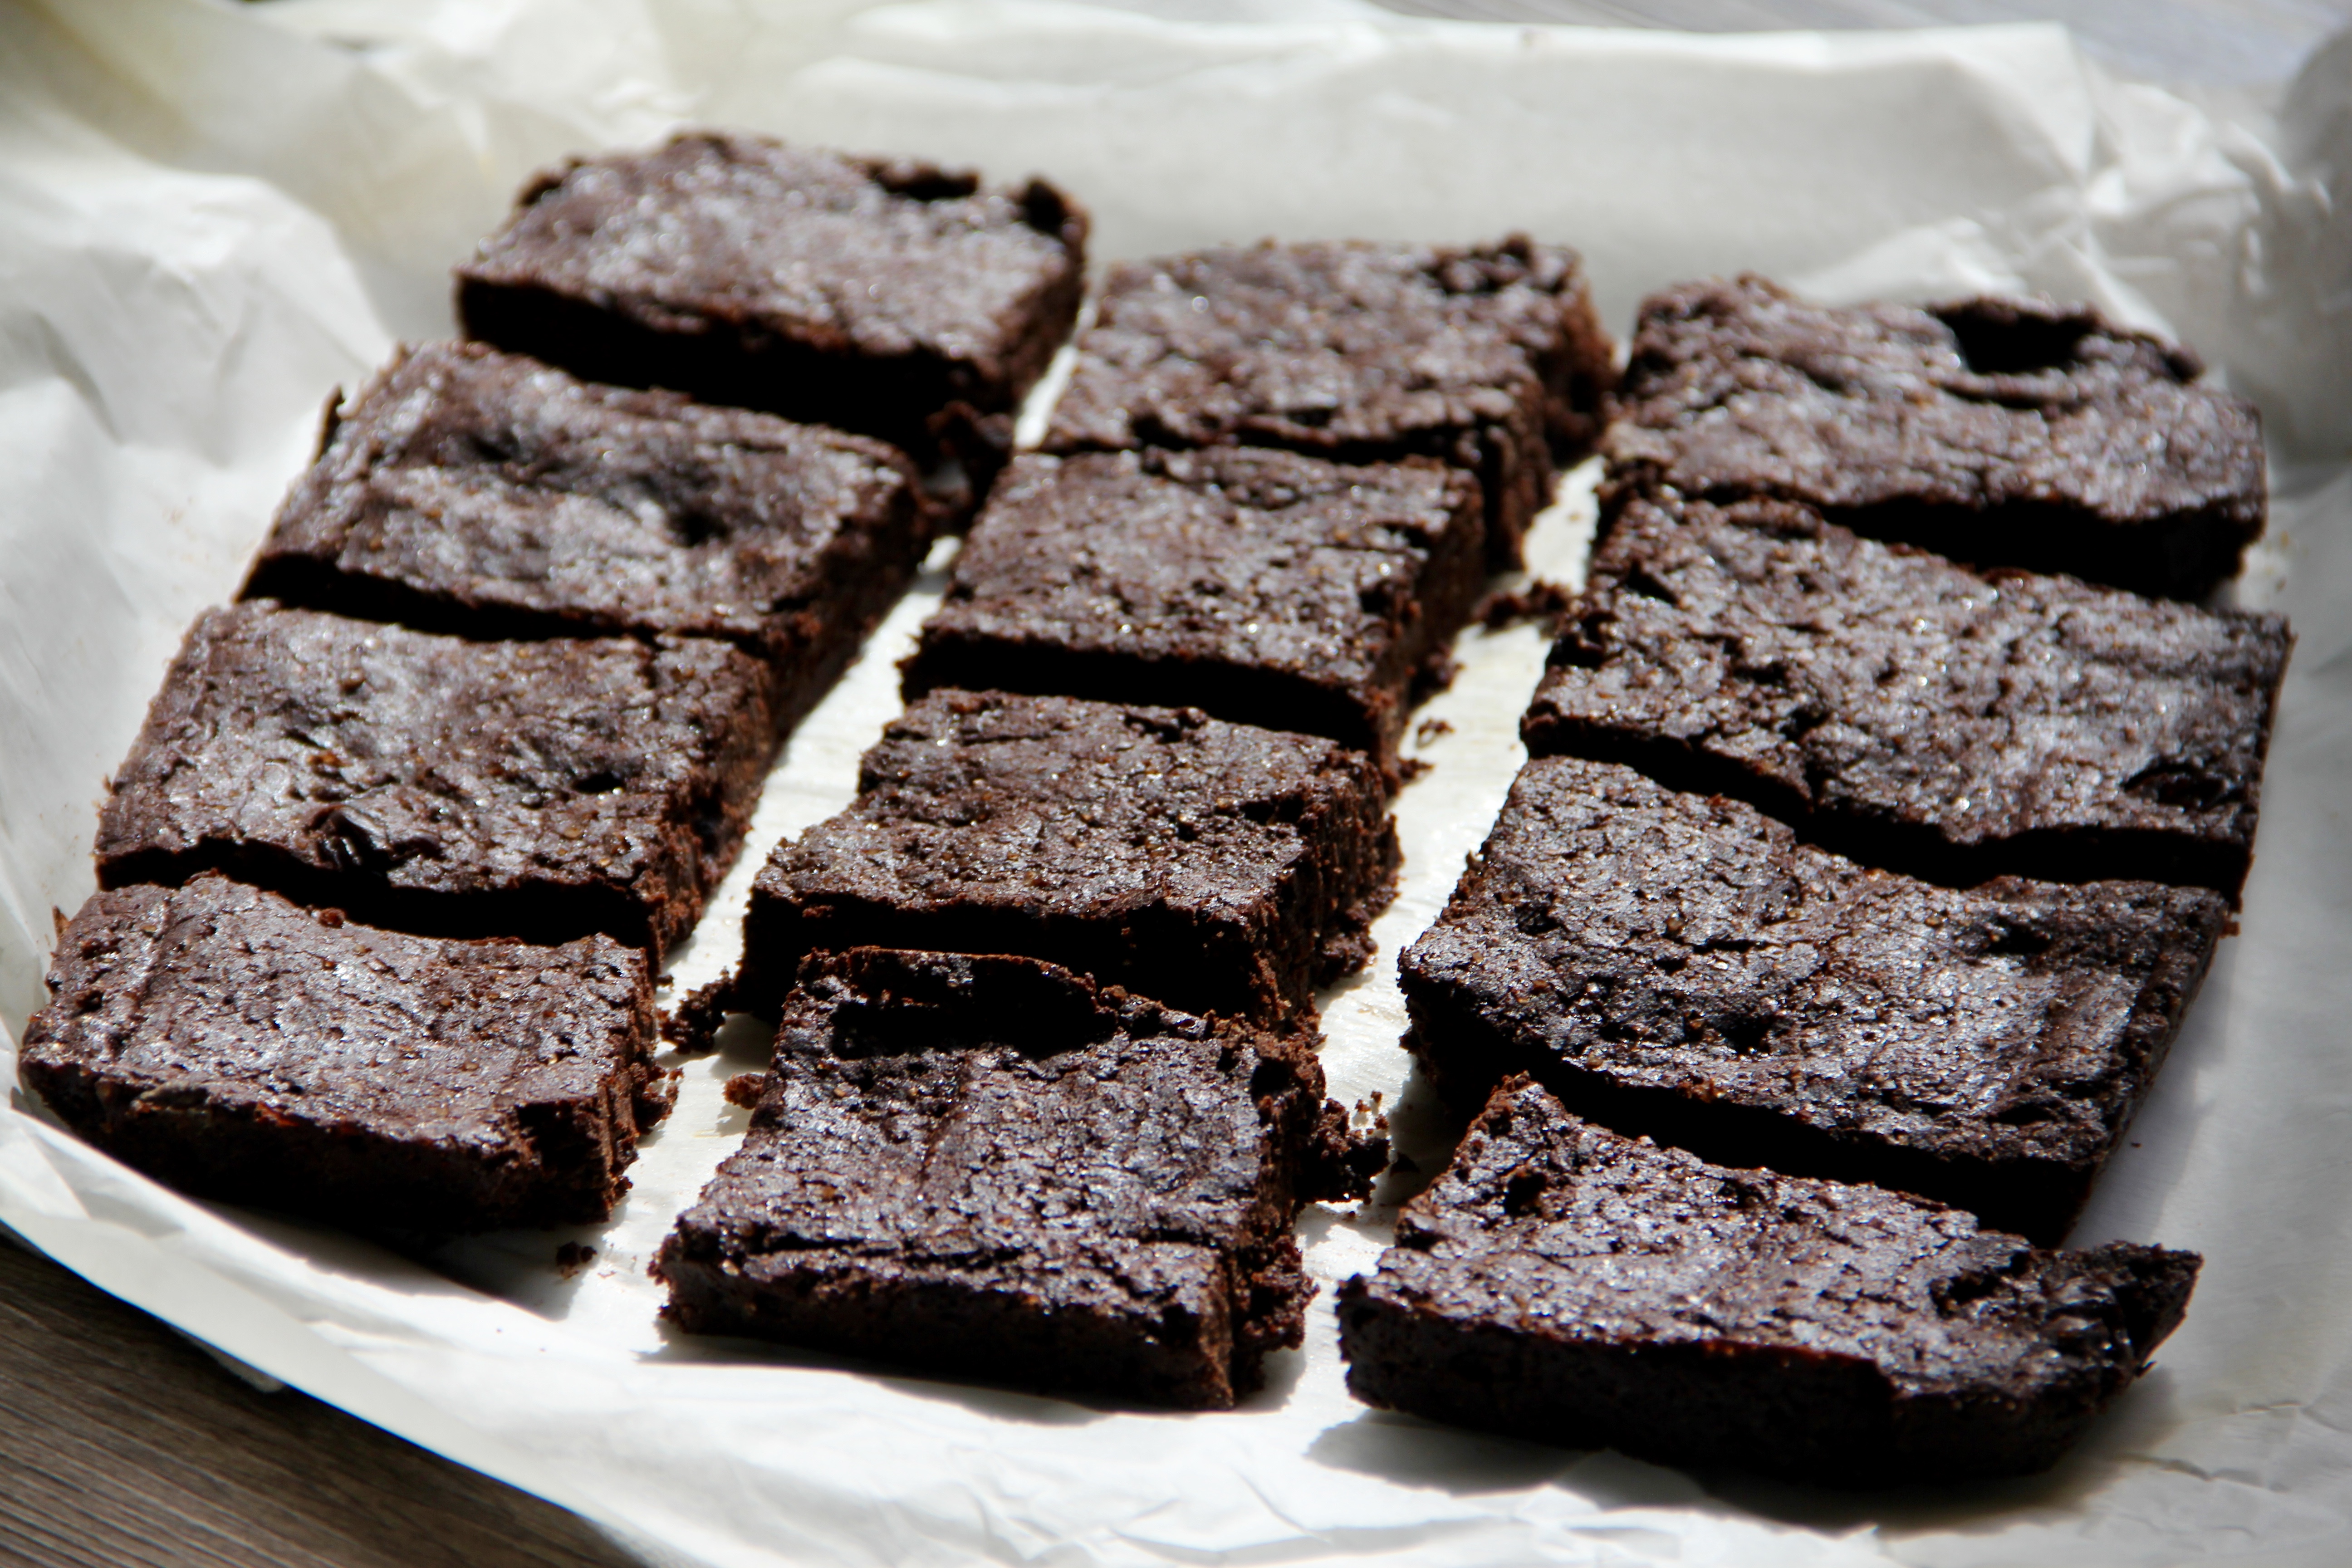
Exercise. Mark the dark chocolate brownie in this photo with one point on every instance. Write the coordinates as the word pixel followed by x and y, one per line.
pixel 1916 714
pixel 874 295
pixel 1219 867
pixel 1681 965
pixel 987 1167
pixel 2003 431
pixel 539 789
pixel 1563 1283
pixel 237 1045
pixel 485 493
pixel 1358 353
pixel 1265 587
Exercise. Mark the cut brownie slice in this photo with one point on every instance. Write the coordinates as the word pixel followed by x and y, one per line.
pixel 1563 1283
pixel 1221 867
pixel 858 292
pixel 539 789
pixel 475 491
pixel 2004 432
pixel 987 1167
pixel 1913 714
pixel 237 1045
pixel 1264 587
pixel 1680 966
pixel 1357 352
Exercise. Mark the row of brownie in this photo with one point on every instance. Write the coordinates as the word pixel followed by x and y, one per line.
pixel 2045 794
pixel 511 665
pixel 1152 734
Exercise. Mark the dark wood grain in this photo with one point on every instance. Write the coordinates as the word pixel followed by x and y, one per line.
pixel 120 1443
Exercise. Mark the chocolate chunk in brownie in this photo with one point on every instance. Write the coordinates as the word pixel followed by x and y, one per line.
pixel 874 295
pixel 1357 352
pixel 237 1045
pixel 480 492
pixel 539 789
pixel 989 1168
pixel 1261 586
pixel 1680 966
pixel 1563 1283
pixel 1220 867
pixel 1913 714
pixel 2003 432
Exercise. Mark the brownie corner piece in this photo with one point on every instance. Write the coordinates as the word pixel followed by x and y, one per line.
pixel 1220 867
pixel 470 490
pixel 539 789
pixel 1564 1283
pixel 1260 585
pixel 2003 431
pixel 1911 711
pixel 237 1045
pixel 1681 965
pixel 872 294
pixel 1487 358
pixel 991 1168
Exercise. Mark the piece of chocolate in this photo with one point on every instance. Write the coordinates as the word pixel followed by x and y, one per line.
pixel 1220 867
pixel 1260 586
pixel 2001 431
pixel 1562 1283
pixel 1357 352
pixel 541 789
pixel 237 1045
pixel 1680 966
pixel 989 1168
pixel 1916 714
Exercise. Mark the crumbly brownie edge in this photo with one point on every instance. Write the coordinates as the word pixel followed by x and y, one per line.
pixel 572 1171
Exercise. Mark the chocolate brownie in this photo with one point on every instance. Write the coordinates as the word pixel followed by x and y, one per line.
pixel 1220 867
pixel 237 1045
pixel 1563 1283
pixel 878 296
pixel 2003 432
pixel 1357 352
pixel 485 493
pixel 1913 713
pixel 1680 966
pixel 1265 587
pixel 989 1168
pixel 539 789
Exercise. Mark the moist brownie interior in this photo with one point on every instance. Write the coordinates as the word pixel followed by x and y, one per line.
pixel 240 1046
pixel 1913 713
pixel 2000 432
pixel 1563 1283
pixel 1261 586
pixel 991 1168
pixel 1681 965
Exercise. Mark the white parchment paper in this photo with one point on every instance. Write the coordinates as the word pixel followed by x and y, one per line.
pixel 211 216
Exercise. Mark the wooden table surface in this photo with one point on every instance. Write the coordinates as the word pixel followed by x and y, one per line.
pixel 122 1442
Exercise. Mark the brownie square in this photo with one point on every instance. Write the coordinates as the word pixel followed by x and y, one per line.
pixel 989 1168
pixel 871 294
pixel 538 789
pixel 1563 1283
pixel 1680 966
pixel 1357 352
pixel 237 1045
pixel 1916 714
pixel 1220 867
pixel 2003 432
pixel 1264 587
pixel 474 492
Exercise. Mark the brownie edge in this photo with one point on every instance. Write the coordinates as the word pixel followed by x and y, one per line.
pixel 991 1168
pixel 1563 1283
pixel 237 1045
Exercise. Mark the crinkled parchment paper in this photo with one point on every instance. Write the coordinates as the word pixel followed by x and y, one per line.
pixel 211 216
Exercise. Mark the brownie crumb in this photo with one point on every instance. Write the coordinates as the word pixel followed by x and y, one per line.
pixel 1539 600
pixel 692 1026
pixel 744 1089
pixel 572 1257
pixel 1429 730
